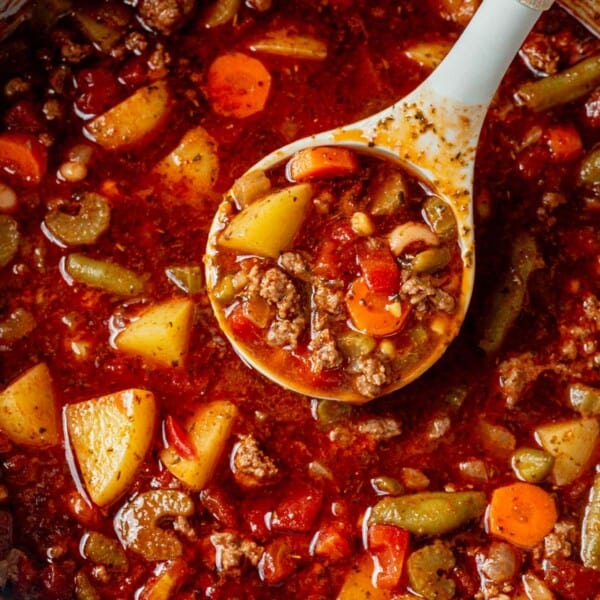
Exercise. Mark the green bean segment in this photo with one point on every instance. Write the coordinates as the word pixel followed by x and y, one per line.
pixel 429 513
pixel 584 399
pixel 427 569
pixel 508 300
pixel 589 172
pixel 9 239
pixel 103 550
pixel 532 464
pixel 566 86
pixel 86 226
pixel 590 529
pixel 355 344
pixel 104 275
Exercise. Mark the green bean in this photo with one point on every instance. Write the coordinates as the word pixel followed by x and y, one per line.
pixel 507 302
pixel 354 344
pixel 589 171
pixel 584 399
pixel 431 260
pixel 104 275
pixel 440 218
pixel 427 569
pixel 91 221
pixel 590 528
pixel 17 325
pixel 224 291
pixel 429 513
pixel 9 239
pixel 188 278
pixel 566 86
pixel 532 464
pixel 102 550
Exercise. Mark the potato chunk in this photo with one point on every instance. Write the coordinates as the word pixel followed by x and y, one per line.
pixel 268 226
pixel 130 121
pixel 572 444
pixel 208 429
pixel 194 163
pixel 110 436
pixel 161 334
pixel 28 413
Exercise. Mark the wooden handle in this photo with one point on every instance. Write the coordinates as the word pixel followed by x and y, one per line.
pixel 538 4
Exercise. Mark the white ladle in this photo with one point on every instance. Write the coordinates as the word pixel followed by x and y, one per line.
pixel 433 131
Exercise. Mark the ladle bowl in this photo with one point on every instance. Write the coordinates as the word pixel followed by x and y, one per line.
pixel 433 132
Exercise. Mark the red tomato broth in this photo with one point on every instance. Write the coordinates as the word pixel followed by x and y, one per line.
pixel 338 452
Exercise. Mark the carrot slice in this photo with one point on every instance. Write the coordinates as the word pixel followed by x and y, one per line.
pixel 324 161
pixel 521 513
pixel 23 156
pixel 564 142
pixel 372 313
pixel 237 85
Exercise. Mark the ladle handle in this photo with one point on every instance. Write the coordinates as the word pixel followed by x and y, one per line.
pixel 472 70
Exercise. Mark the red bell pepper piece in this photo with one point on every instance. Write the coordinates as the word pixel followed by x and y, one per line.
pixel 379 267
pixel 388 545
pixel 178 438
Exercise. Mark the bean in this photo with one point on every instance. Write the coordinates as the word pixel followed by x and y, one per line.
pixel 86 226
pixel 589 172
pixel 427 569
pixel 429 513
pixel 431 260
pixel 566 86
pixel 440 218
pixel 584 399
pixel 532 464
pixel 387 486
pixel 507 302
pixel 590 528
pixel 104 275
pixel 9 239
pixel 330 411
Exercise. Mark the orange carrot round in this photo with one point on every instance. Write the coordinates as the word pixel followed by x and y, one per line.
pixel 23 156
pixel 372 313
pixel 323 161
pixel 238 85
pixel 521 513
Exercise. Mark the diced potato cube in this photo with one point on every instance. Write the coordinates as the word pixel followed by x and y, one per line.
pixel 28 412
pixel 130 121
pixel 269 225
pixel 161 334
pixel 193 163
pixel 359 583
pixel 572 444
pixel 208 429
pixel 428 54
pixel 286 43
pixel 110 436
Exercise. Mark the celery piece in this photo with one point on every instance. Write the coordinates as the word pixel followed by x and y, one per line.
pixel 584 399
pixel 590 528
pixel 427 569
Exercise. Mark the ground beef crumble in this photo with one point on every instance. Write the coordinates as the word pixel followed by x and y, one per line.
pixel 324 352
pixel 232 552
pixel 372 373
pixel 421 293
pixel 251 466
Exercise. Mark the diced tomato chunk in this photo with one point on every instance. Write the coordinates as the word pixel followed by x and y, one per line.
pixel 241 326
pixel 379 267
pixel 178 438
pixel 331 544
pixel 23 157
pixel 571 580
pixel 298 510
pixel 388 545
